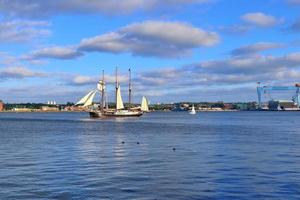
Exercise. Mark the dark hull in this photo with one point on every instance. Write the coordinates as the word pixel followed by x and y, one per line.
pixel 115 115
pixel 95 114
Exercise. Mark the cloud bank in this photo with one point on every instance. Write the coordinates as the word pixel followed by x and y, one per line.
pixel 149 38
pixel 256 48
pixel 234 73
pixel 45 8
pixel 152 38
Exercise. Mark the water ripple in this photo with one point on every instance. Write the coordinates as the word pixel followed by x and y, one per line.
pixel 240 155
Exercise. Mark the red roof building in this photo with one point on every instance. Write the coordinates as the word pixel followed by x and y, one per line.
pixel 1 106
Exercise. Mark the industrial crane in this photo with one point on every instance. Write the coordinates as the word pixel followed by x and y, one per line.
pixel 266 89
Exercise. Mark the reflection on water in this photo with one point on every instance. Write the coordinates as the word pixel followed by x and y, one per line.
pixel 240 155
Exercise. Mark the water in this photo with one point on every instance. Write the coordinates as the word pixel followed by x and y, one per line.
pixel 217 155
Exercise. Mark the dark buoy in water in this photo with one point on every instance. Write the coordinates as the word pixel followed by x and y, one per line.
pixel 137 143
pixel 123 142
pixel 174 149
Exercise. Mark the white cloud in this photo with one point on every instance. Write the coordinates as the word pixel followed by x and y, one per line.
pixel 260 19
pixel 19 73
pixel 152 38
pixel 29 8
pixel 255 48
pixel 55 52
pixel 177 33
pixel 84 80
pixel 23 30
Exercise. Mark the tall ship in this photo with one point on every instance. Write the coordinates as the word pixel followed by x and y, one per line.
pixel 103 110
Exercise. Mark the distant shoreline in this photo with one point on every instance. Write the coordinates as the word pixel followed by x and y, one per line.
pixel 8 111
pixel 88 111
pixel 202 111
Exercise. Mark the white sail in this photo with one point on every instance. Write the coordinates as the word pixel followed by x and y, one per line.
pixel 100 86
pixel 144 106
pixel 193 111
pixel 85 98
pixel 119 103
pixel 89 101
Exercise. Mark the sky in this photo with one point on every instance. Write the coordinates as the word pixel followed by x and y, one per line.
pixel 178 50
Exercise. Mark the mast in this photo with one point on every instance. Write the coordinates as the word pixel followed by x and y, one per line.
pixel 102 92
pixel 129 89
pixel 106 100
pixel 117 86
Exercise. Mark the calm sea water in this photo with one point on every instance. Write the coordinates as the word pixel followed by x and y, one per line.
pixel 217 155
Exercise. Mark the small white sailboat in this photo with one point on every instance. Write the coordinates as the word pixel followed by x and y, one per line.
pixel 145 105
pixel 193 111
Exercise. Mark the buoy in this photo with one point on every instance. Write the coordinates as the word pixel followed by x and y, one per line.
pixel 123 142
pixel 174 149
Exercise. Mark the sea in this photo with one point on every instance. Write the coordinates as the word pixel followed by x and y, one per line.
pixel 161 155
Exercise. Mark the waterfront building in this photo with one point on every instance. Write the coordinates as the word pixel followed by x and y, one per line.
pixel 22 110
pixel 228 106
pixel 74 108
pixel 282 105
pixel 49 109
pixel 1 106
pixel 51 103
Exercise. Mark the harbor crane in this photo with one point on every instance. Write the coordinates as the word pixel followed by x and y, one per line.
pixel 266 89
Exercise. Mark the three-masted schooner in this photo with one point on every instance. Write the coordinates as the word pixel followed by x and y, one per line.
pixel 103 110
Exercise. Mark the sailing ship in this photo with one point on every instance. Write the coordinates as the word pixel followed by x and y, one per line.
pixel 193 111
pixel 103 110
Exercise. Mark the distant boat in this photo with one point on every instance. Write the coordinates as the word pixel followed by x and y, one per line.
pixel 145 105
pixel 193 111
pixel 104 111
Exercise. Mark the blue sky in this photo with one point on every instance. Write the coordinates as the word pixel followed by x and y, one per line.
pixel 179 50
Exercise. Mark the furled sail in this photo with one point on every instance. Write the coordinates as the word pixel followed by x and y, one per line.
pixel 119 103
pixel 89 101
pixel 85 98
pixel 144 106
